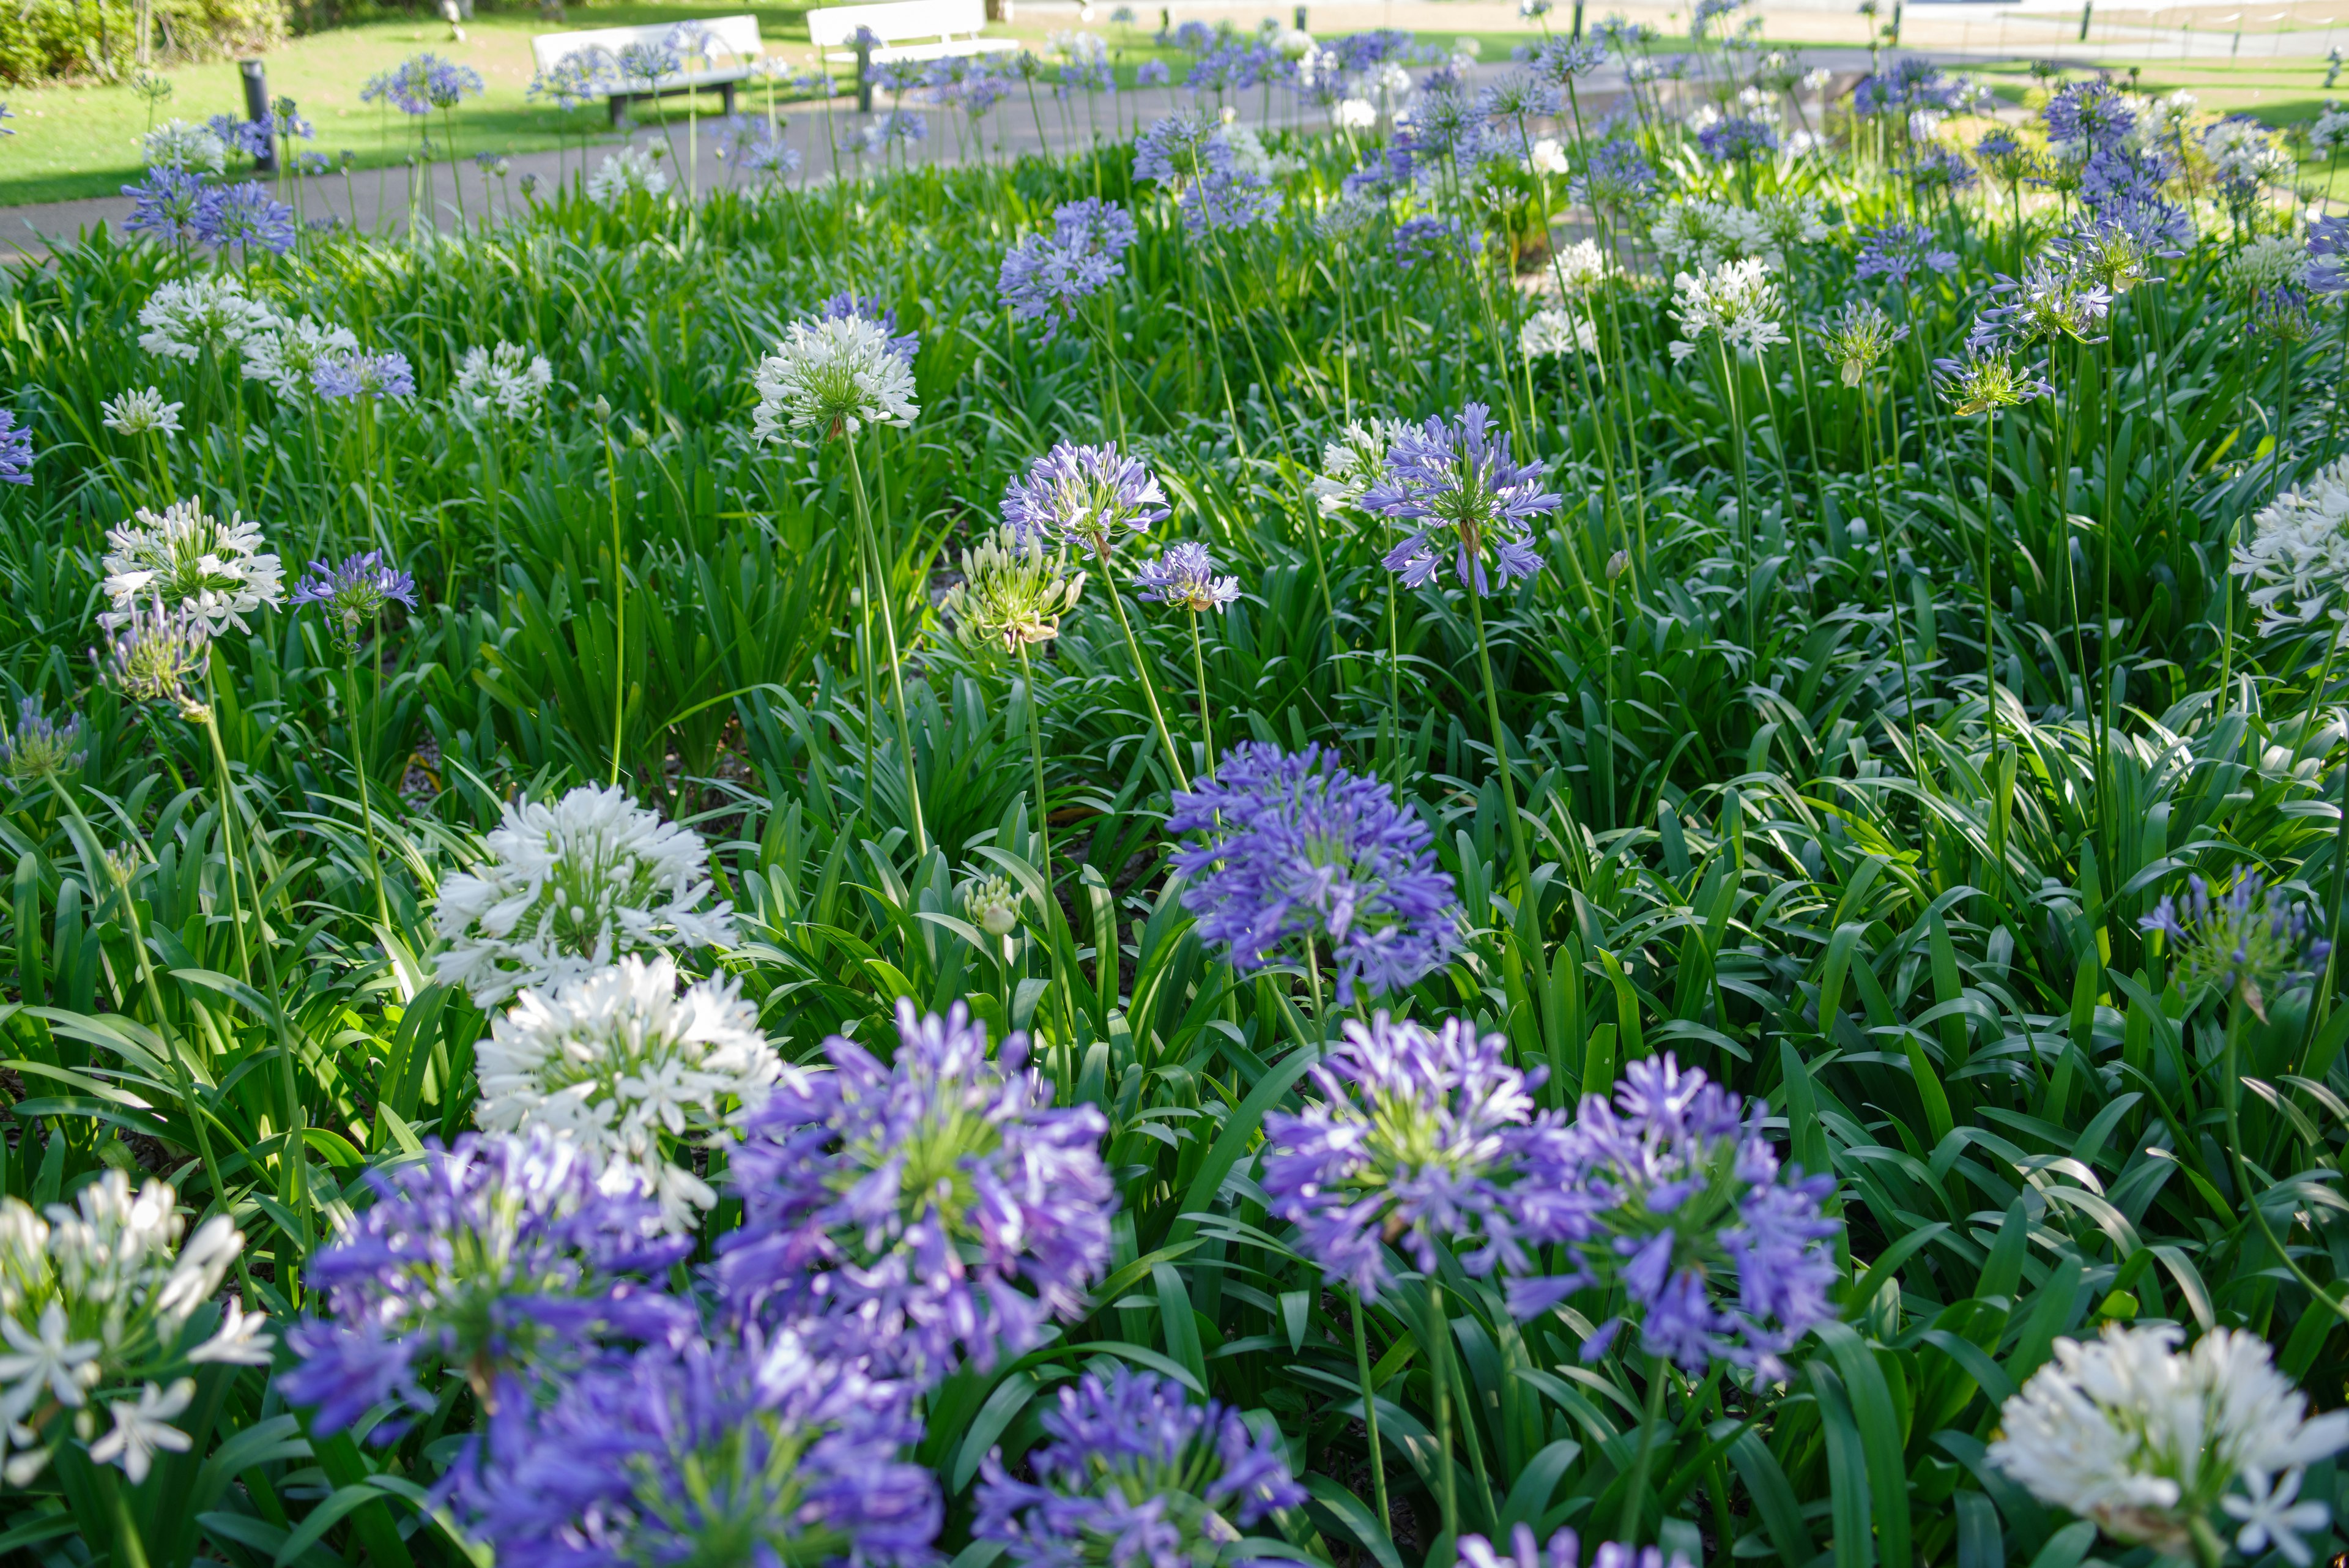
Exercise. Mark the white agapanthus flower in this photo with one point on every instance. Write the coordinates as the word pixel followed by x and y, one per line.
pixel 625 1066
pixel 95 1304
pixel 183 319
pixel 1080 48
pixel 2146 1442
pixel 1702 118
pixel 184 557
pixel 1552 331
pixel 837 376
pixel 1547 156
pixel 1694 231
pixel 2246 150
pixel 508 379
pixel 2270 261
pixel 570 887
pixel 2296 561
pixel 285 356
pixel 1789 218
pixel 140 411
pixel 2331 132
pixel 1737 301
pixel 184 148
pixel 1579 267
pixel 1355 114
pixel 631 171
pixel 1352 463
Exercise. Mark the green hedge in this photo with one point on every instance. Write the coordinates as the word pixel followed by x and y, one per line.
pixel 49 39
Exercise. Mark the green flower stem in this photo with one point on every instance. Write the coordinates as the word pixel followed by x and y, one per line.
pixel 366 811
pixel 1518 862
pixel 1447 1484
pixel 889 632
pixel 619 609
pixel 1140 668
pixel 1371 1414
pixel 1199 676
pixel 1643 1458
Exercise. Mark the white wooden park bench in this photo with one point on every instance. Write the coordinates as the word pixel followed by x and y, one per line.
pixel 901 30
pixel 715 54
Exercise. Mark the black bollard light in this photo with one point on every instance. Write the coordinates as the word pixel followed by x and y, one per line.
pixel 256 109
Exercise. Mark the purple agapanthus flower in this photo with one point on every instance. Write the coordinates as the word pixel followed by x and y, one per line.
pixel 1909 85
pixel 2115 246
pixel 1088 497
pixel 1185 573
pixel 1900 252
pixel 1457 485
pixel 1936 170
pixel 1151 74
pixel 498 1256
pixel 1616 174
pixel 1180 147
pixel 848 304
pixel 1427 238
pixel 1412 1142
pixel 1564 1551
pixel 2056 299
pixel 750 1452
pixel 1048 277
pixel 1299 847
pixel 2117 175
pixel 1133 1475
pixel 165 206
pixel 353 594
pixel 2090 112
pixel 242 215
pixel 1557 60
pixel 1225 200
pixel 350 376
pixel 2328 244
pixel 15 451
pixel 254 138
pixel 423 83
pixel 1737 138
pixel 1683 1197
pixel 922 1213
pixel 2254 943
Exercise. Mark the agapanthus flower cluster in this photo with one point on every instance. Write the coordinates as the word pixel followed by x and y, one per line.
pixel 1227 200
pixel 1457 487
pixel 159 655
pixel 2053 301
pixel 1182 148
pixel 1299 849
pixel 184 320
pixel 496 1260
pixel 1564 1551
pixel 2328 244
pixel 140 411
pixel 2084 117
pixel 2249 943
pixel 2297 558
pixel 1672 1195
pixel 627 1066
pixel 1901 251
pixel 1414 1142
pixel 1046 277
pixel 1615 175
pixel 2147 1443
pixel 1857 338
pixel 625 175
pixel 570 887
pixel 1013 591
pixel 184 558
pixel 835 377
pixel 352 594
pixel 15 451
pixel 922 1213
pixel 1352 463
pixel 1185 573
pixel 350 376
pixel 1551 332
pixel 37 747
pixel 286 354
pixel 508 380
pixel 1133 1475
pixel 848 303
pixel 164 206
pixel 1933 169
pixel 179 147
pixel 2115 246
pixel 1738 139
pixel 423 83
pixel 1428 238
pixel 1987 378
pixel 242 216
pixel 104 1313
pixel 757 1452
pixel 1736 303
pixel 2268 260
pixel 1085 497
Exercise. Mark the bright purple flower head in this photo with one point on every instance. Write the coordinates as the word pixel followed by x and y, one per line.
pixel 921 1213
pixel 1226 200
pixel 1133 1475
pixel 1685 1196
pixel 1456 484
pixel 1182 148
pixel 1412 1140
pixel 1900 252
pixel 1737 138
pixel 1564 1551
pixel 1616 174
pixel 1088 497
pixel 348 375
pixel 1185 573
pixel 498 1256
pixel 1427 238
pixel 1297 847
pixel 250 137
pixel 2252 943
pixel 1047 277
pixel 750 1452
pixel 353 594
pixel 2087 111
pixel 166 205
pixel 1558 60
pixel 15 451
pixel 244 214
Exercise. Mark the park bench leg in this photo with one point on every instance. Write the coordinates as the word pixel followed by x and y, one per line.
pixel 619 106
pixel 726 97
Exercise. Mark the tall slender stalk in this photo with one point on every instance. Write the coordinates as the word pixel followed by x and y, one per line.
pixel 889 631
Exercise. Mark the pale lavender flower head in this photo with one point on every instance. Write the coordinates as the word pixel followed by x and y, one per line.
pixel 1564 1551
pixel 1180 147
pixel 1133 1475
pixel 37 747
pixel 1457 485
pixel 2091 111
pixel 498 1257
pixel 644 62
pixel 1428 238
pixel 243 215
pixel 2250 944
pixel 1412 1141
pixel 848 304
pixel 924 1213
pixel 250 137
pixel 1150 73
pixel 15 451
pixel 2328 243
pixel 1047 277
pixel 1558 60
pixel 1185 573
pixel 748 1452
pixel 1226 200
pixel 1901 251
pixel 353 594
pixel 1086 497
pixel 423 83
pixel 350 376
pixel 1737 138
pixel 1616 174
pixel 1718 1252
pixel 1298 847
pixel 2056 299
pixel 166 205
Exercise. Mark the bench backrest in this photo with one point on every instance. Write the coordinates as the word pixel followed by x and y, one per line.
pixel 897 19
pixel 725 39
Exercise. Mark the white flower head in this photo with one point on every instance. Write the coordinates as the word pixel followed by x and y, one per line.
pixel 618 1058
pixel 2297 559
pixel 203 1262
pixel 184 148
pixel 140 411
pixel 2331 132
pixel 284 355
pixel 2270 261
pixel 1355 114
pixel 47 1361
pixel 101 1247
pixel 631 171
pixel 1705 233
pixel 144 1429
pixel 2144 1441
pixel 1579 267
pixel 238 1341
pixel 1547 156
pixel 568 888
pixel 836 376
pixel 1551 332
pixel 184 557
pixel 508 379
pixel 1737 301
pixel 183 319
pixel 1352 463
